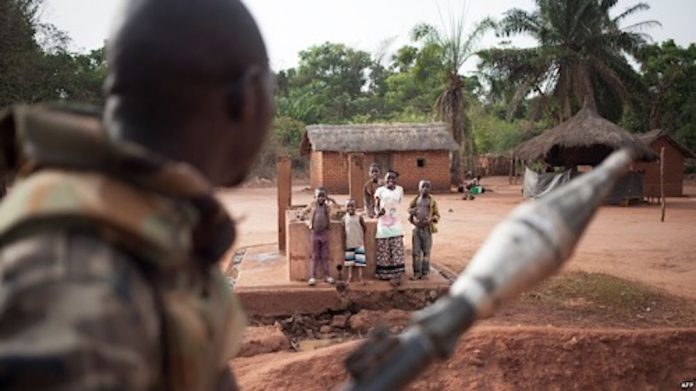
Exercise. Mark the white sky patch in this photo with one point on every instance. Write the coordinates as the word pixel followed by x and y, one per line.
pixel 291 26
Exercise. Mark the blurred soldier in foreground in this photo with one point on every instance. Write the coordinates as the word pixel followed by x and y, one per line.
pixel 110 238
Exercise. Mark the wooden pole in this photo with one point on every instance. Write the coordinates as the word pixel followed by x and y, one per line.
pixel 356 178
pixel 662 182
pixel 284 173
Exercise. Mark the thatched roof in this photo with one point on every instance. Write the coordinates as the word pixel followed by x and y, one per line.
pixel 378 138
pixel 584 139
pixel 649 137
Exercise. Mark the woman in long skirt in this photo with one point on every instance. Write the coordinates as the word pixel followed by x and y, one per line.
pixel 390 235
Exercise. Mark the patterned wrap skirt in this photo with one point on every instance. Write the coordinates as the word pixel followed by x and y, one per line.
pixel 390 258
pixel 355 256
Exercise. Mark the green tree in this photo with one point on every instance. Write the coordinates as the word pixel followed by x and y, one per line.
pixel 35 64
pixel 19 51
pixel 669 71
pixel 70 77
pixel 581 52
pixel 332 78
pixel 88 72
pixel 455 48
pixel 414 83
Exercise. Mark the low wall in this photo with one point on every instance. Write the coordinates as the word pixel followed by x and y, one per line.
pixel 299 250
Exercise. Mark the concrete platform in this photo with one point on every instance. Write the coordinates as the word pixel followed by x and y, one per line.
pixel 263 285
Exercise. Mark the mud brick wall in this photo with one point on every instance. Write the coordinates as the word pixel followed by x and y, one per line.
pixel 330 169
pixel 315 167
pixel 435 169
pixel 674 171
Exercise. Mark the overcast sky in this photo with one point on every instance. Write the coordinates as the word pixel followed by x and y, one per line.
pixel 291 26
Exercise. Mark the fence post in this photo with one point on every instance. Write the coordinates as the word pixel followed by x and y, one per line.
pixel 356 178
pixel 284 175
pixel 662 183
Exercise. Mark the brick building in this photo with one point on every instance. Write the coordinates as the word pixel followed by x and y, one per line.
pixel 415 151
pixel 675 154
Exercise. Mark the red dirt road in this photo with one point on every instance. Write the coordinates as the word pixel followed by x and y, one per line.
pixel 524 347
pixel 627 242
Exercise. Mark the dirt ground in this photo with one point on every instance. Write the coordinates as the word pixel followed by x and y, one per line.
pixel 498 358
pixel 621 314
pixel 626 242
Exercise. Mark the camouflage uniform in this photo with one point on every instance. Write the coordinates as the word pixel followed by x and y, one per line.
pixel 108 275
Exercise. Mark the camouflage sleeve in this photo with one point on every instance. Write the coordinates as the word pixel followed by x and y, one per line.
pixel 75 314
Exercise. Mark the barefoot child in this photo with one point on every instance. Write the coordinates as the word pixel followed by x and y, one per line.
pixel 423 214
pixel 319 219
pixel 369 190
pixel 354 241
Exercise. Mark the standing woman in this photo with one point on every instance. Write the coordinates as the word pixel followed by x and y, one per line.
pixel 390 243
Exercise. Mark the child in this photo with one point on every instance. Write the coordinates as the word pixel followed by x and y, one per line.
pixel 473 188
pixel 389 238
pixel 369 190
pixel 423 214
pixel 319 214
pixel 354 241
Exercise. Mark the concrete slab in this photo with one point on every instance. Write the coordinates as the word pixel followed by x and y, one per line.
pixel 265 289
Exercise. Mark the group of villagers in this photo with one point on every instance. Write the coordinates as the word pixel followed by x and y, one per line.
pixel 382 201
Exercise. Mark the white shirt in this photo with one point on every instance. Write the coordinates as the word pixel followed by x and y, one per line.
pixel 389 224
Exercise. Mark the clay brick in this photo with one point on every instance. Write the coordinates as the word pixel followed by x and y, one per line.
pixel 674 171
pixel 330 169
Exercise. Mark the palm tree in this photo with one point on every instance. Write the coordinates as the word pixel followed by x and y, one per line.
pixel 581 50
pixel 455 48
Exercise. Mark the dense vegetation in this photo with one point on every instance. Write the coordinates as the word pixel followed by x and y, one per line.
pixel 583 56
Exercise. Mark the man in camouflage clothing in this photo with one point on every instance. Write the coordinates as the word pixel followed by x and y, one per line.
pixel 110 237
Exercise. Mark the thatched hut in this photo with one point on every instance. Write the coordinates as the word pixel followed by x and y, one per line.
pixel 675 156
pixel 584 139
pixel 416 151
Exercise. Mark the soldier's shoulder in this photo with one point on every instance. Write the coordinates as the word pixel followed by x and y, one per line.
pixel 50 120
pixel 68 297
pixel 30 134
pixel 56 254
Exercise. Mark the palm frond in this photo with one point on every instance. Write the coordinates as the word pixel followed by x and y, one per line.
pixel 642 26
pixel 466 49
pixel 612 78
pixel 425 32
pixel 606 5
pixel 517 21
pixel 630 11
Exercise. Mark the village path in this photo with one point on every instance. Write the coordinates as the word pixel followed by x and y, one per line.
pixel 626 242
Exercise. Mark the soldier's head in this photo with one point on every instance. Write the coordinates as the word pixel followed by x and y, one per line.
pixel 189 80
